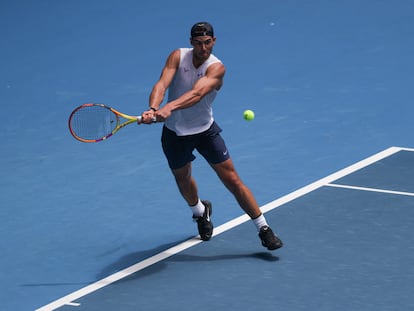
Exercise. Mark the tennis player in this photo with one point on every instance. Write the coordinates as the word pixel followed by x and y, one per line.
pixel 193 76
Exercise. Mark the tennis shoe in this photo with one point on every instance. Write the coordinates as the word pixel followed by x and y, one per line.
pixel 204 224
pixel 269 239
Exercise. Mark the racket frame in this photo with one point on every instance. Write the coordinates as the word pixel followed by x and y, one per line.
pixel 130 119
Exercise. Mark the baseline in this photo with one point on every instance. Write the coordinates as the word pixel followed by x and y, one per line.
pixel 370 189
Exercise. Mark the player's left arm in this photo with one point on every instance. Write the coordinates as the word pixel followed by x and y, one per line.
pixel 213 80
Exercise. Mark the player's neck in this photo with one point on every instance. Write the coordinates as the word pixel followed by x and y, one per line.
pixel 198 62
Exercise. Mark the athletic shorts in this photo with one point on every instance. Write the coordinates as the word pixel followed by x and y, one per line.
pixel 179 149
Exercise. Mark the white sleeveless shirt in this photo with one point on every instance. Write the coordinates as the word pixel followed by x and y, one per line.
pixel 199 117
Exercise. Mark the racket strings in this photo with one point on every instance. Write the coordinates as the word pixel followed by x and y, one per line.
pixel 93 122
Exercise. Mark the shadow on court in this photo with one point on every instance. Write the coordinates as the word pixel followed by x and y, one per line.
pixel 132 258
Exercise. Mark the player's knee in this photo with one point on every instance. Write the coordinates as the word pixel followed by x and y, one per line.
pixel 233 183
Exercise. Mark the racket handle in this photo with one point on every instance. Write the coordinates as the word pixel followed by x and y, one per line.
pixel 139 120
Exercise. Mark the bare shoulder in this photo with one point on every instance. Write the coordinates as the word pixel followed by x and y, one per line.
pixel 215 73
pixel 216 70
pixel 173 59
pixel 169 70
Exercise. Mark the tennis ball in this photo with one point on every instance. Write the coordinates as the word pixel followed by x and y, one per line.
pixel 248 115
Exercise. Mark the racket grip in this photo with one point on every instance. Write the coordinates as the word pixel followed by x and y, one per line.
pixel 139 120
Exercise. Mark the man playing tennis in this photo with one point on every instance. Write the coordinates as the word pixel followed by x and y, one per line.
pixel 193 77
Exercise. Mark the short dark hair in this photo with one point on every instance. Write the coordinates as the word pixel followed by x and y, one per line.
pixel 202 29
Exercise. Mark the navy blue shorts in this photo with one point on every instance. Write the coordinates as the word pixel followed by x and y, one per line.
pixel 179 149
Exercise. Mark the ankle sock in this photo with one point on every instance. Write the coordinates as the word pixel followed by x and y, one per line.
pixel 198 209
pixel 260 222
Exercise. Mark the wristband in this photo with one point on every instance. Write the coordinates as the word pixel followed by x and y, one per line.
pixel 153 109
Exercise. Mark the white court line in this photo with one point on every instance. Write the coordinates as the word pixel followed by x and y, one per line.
pixel 407 149
pixel 371 189
pixel 71 298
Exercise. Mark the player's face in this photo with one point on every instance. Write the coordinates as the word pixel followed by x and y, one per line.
pixel 203 46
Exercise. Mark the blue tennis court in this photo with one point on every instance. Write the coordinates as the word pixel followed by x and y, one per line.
pixel 343 252
pixel 329 158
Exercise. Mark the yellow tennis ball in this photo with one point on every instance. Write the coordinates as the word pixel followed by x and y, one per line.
pixel 248 115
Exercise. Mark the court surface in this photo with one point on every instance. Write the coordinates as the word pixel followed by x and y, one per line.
pixel 349 246
pixel 103 227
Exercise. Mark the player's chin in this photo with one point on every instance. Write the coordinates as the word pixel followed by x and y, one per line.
pixel 204 55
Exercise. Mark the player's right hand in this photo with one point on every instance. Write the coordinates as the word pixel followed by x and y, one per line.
pixel 148 117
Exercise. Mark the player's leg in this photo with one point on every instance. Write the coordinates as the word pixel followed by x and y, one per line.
pixel 228 175
pixel 186 184
pixel 178 152
pixel 201 209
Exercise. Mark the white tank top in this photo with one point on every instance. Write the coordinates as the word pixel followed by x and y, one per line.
pixel 199 117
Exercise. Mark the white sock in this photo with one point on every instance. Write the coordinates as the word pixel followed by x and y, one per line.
pixel 198 209
pixel 260 222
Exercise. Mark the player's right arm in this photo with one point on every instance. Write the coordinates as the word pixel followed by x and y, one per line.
pixel 160 88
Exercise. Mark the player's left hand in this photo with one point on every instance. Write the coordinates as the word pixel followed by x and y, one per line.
pixel 163 113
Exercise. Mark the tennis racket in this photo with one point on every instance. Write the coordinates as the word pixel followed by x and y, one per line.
pixel 91 123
